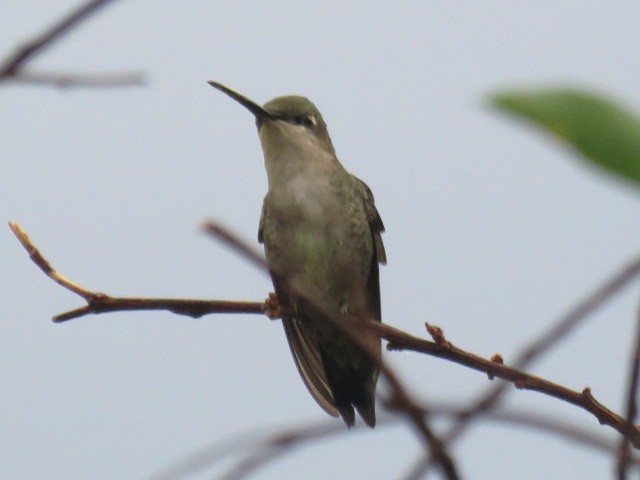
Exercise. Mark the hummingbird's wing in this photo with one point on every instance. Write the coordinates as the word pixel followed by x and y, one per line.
pixel 373 217
pixel 305 351
pixel 379 255
pixel 309 363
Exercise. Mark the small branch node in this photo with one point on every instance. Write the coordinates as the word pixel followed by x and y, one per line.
pixel 496 358
pixel 437 334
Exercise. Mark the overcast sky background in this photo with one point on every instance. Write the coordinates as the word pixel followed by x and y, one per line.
pixel 493 230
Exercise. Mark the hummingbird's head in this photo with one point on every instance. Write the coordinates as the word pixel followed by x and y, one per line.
pixel 285 119
pixel 300 119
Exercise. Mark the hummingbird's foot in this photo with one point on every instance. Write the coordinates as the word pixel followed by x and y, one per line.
pixel 272 307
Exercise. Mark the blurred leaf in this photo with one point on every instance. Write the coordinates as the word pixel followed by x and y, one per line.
pixel 602 131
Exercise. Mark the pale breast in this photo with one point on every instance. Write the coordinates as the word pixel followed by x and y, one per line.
pixel 315 231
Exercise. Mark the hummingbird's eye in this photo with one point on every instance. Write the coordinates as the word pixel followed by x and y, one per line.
pixel 305 120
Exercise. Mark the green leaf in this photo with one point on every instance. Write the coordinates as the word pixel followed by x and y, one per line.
pixel 603 132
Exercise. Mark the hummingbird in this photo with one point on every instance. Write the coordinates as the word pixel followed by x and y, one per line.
pixel 322 239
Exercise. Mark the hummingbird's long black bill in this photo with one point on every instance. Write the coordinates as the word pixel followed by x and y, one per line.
pixel 249 104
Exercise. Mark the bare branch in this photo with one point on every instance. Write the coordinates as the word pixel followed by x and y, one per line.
pixel 224 235
pixel 12 68
pixel 98 302
pixel 632 405
pixel 629 271
pixel 541 422
pixel 253 441
pixel 397 340
pixel 72 80
pixel 258 450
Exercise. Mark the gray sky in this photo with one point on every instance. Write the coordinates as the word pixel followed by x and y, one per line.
pixel 492 230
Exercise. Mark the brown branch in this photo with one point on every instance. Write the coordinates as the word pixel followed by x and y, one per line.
pixel 12 68
pixel 397 340
pixel 629 271
pixel 632 405
pixel 98 302
pixel 222 234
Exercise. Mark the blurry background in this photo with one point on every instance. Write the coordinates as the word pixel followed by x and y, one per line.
pixel 492 230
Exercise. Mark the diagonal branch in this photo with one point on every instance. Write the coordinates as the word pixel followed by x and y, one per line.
pixel 632 405
pixel 399 340
pixel 562 328
pixel 565 324
pixel 12 67
pixel 223 235
pixel 38 44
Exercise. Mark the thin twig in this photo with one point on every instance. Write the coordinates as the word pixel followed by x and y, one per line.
pixel 207 457
pixel 632 405
pixel 286 440
pixel 224 235
pixel 629 271
pixel 102 303
pixel 399 340
pixel 74 80
pixel 38 44
pixel 98 302
pixel 12 68
pixel 543 423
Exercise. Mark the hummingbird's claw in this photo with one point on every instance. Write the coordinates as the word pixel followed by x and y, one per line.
pixel 272 307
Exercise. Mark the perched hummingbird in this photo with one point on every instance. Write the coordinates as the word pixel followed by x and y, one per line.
pixel 322 239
